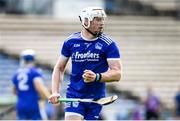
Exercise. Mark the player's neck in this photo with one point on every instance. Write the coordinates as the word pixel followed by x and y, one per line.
pixel 29 65
pixel 87 36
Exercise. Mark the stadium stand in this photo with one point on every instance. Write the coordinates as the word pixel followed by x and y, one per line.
pixel 149 43
pixel 144 7
pixel 161 4
pixel 149 46
pixel 5 73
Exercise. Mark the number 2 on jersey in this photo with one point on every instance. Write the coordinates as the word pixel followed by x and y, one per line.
pixel 22 84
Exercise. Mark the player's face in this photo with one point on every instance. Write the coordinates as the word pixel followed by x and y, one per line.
pixel 97 25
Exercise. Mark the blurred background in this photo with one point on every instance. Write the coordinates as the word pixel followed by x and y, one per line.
pixel 147 32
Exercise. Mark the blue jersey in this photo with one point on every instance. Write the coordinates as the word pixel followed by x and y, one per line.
pixel 90 55
pixel 27 95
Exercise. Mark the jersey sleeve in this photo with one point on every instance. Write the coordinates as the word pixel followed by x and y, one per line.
pixel 65 50
pixel 37 75
pixel 112 51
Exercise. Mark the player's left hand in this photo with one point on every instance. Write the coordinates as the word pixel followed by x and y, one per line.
pixel 89 76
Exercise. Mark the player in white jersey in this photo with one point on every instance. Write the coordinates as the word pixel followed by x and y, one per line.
pixel 95 60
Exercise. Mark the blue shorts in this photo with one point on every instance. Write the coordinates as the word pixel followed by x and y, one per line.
pixel 88 111
pixel 25 114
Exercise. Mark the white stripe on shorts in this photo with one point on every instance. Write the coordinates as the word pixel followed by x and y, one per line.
pixel 73 113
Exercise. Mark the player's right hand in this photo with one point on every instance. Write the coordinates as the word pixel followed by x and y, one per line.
pixel 54 98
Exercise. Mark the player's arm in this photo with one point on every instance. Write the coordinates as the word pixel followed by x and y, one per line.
pixel 113 74
pixel 40 87
pixel 58 72
pixel 57 77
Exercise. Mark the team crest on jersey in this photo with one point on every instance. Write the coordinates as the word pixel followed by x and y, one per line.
pixel 98 46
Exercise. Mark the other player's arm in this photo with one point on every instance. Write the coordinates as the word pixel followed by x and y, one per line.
pixel 40 87
pixel 57 77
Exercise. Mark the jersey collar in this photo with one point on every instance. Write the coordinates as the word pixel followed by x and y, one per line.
pixel 88 39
